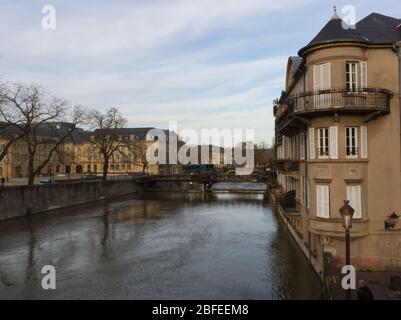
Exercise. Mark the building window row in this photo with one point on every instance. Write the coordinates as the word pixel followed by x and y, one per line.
pixel 327 143
pixel 356 76
pixel 323 200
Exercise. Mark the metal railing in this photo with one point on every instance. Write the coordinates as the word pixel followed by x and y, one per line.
pixel 362 98
pixel 286 165
pixel 332 100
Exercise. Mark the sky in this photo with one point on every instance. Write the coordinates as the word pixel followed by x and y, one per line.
pixel 203 63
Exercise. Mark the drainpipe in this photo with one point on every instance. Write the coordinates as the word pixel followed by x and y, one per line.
pixel 397 50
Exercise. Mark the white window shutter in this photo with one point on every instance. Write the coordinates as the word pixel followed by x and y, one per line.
pixel 364 74
pixel 307 155
pixel 354 197
pixel 326 202
pixel 302 146
pixel 319 201
pixel 323 201
pixel 333 137
pixel 322 76
pixel 307 193
pixel 358 202
pixel 326 75
pixel 316 77
pixel 364 142
pixel 311 143
pixel 301 190
pixel 306 81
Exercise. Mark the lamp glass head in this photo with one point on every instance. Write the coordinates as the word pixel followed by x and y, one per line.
pixel 347 213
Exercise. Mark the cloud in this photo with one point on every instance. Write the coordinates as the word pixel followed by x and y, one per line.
pixel 105 27
pixel 204 63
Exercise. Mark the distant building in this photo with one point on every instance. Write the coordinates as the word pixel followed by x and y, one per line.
pixel 77 155
pixel 338 137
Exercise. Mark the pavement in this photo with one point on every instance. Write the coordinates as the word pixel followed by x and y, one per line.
pixel 378 282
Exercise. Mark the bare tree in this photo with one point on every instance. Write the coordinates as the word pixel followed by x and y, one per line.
pixel 106 136
pixel 8 129
pixel 138 149
pixel 262 145
pixel 31 112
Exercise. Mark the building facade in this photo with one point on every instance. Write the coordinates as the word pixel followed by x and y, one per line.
pixel 338 138
pixel 79 156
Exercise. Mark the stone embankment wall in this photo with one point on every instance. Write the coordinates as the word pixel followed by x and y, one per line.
pixel 22 200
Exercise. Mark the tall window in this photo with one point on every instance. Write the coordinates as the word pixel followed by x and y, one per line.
pixel 351 142
pixel 323 142
pixel 351 76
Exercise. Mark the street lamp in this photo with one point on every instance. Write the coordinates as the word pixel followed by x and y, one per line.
pixel 347 212
pixel 391 221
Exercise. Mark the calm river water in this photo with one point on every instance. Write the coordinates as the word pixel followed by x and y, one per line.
pixel 156 245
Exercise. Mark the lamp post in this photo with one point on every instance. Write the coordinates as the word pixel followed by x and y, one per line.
pixel 347 213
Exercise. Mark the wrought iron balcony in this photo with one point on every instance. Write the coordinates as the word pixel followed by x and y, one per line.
pixel 370 101
pixel 286 165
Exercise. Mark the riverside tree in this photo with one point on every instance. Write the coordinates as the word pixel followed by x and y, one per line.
pixel 30 113
pixel 106 136
pixel 138 149
pixel 7 127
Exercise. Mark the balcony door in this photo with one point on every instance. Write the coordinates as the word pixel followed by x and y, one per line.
pixel 351 76
pixel 322 82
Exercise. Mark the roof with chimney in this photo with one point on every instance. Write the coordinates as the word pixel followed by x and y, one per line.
pixel 373 29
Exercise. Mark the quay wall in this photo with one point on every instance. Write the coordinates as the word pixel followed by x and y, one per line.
pixel 281 213
pixel 19 201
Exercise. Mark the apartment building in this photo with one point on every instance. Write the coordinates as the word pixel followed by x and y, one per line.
pixel 338 138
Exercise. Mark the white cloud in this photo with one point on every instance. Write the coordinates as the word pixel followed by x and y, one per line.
pixel 113 27
pixel 155 60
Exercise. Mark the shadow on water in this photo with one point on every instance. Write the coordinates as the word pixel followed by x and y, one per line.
pixel 157 245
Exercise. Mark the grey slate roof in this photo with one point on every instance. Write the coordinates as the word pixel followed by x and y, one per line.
pixel 296 63
pixel 380 29
pixel 59 129
pixel 51 129
pixel 137 132
pixel 373 29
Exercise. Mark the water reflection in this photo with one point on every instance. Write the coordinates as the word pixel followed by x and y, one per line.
pixel 157 245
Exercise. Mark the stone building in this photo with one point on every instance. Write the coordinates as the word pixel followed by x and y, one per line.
pixel 338 137
pixel 77 155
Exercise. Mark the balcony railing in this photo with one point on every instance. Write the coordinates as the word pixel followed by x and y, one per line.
pixel 362 100
pixel 286 165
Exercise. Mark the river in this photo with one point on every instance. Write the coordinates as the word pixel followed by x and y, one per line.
pixel 156 245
